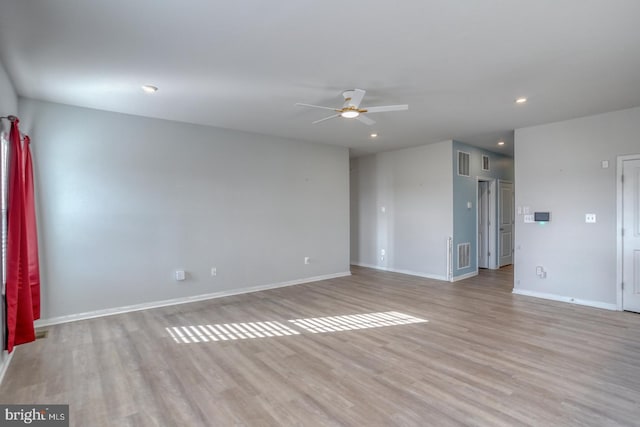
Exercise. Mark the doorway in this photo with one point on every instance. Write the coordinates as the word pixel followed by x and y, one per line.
pixel 486 223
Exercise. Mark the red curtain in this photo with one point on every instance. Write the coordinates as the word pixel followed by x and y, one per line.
pixel 23 276
pixel 32 233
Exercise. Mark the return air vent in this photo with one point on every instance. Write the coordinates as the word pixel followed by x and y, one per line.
pixel 463 163
pixel 464 255
pixel 41 333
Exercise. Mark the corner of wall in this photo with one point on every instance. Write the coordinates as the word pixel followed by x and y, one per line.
pixel 401 210
pixel 465 198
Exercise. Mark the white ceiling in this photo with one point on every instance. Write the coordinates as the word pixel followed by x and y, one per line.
pixel 244 64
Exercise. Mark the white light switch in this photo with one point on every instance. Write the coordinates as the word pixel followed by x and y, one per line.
pixel 605 164
pixel 469 205
pixel 180 275
pixel 590 218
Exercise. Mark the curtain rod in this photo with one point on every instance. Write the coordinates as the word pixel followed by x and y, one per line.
pixel 10 118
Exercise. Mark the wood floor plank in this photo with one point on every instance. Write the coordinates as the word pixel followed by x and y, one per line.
pixel 484 357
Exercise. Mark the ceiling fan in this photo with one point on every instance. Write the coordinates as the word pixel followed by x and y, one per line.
pixel 351 108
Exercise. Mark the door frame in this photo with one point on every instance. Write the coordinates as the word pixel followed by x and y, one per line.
pixel 619 218
pixel 492 262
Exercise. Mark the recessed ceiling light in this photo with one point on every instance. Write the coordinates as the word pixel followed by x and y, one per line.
pixel 500 142
pixel 149 89
pixel 521 100
pixel 374 135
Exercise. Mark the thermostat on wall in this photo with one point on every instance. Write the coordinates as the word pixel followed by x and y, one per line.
pixel 542 216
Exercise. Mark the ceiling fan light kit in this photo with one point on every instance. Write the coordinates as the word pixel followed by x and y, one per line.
pixel 351 108
pixel 350 114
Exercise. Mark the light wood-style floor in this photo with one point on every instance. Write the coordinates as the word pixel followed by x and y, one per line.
pixel 485 357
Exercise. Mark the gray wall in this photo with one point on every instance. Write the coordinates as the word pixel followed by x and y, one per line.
pixel 465 190
pixel 415 188
pixel 558 169
pixel 124 201
pixel 8 105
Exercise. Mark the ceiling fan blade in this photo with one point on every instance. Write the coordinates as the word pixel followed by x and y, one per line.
pixel 326 118
pixel 357 96
pixel 384 108
pixel 366 120
pixel 316 106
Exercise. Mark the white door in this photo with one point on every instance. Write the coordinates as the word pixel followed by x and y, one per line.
pixel 506 218
pixel 631 235
pixel 483 224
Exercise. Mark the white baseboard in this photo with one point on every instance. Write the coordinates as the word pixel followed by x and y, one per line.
pixel 554 297
pixel 464 276
pixel 182 300
pixel 395 270
pixel 5 364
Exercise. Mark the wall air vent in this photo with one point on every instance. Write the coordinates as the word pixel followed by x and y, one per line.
pixel 463 163
pixel 464 255
pixel 485 163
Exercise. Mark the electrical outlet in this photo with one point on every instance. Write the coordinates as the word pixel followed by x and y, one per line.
pixel 540 272
pixel 214 271
pixel 590 218
pixel 180 275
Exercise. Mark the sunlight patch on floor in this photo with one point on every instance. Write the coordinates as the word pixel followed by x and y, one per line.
pixel 229 331
pixel 250 330
pixel 355 321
